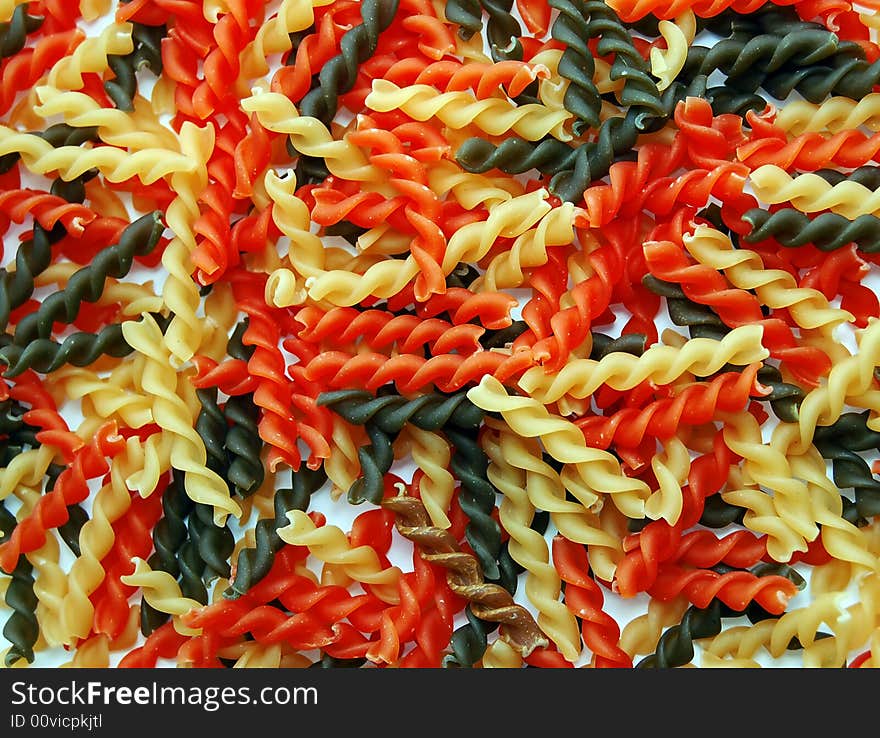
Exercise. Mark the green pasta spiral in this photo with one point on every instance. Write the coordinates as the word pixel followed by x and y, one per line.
pixel 515 155
pixel 213 543
pixel 78 349
pixel 700 320
pixel 841 443
pixel 243 445
pixel 87 284
pixel 577 65
pixel 827 231
pixel 848 77
pixel 22 628
pixel 254 563
pixel 211 427
pixel 503 30
pixel 470 465
pixel 147 53
pixel 390 413
pixel 13 33
pixel 32 257
pixel 747 60
pixel 466 14
pixel 639 88
pixel 169 535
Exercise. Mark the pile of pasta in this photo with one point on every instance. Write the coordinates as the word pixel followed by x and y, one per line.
pixel 440 333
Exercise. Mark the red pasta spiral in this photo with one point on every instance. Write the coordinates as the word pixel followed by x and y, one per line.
pixel 132 538
pixel 70 488
pixel 736 589
pixel 583 597
pixel 379 329
pixel 24 70
pixel 807 152
pixel 695 404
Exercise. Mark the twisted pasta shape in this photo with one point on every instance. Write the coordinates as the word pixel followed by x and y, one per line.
pixel 488 601
pixel 162 593
pixel 584 598
pixel 274 36
pixel 116 128
pixel 179 292
pixel 834 115
pixel 679 35
pixel 254 564
pixel 598 470
pixel 95 540
pixel 460 109
pixel 330 544
pixel 528 547
pixel 694 404
pixel 87 284
pixel 71 488
pixel 338 75
pixel 660 364
pixel 173 416
pixel 827 231
pixel 776 288
pixel 809 193
pixel 432 455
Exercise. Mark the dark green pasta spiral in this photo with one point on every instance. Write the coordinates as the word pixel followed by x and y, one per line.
pixel 845 76
pixel 616 136
pixel 169 535
pixel 502 30
pixel 147 52
pixel 746 60
pixel 867 176
pixel 21 628
pixel 192 567
pixel 234 346
pixel 375 459
pixel 726 100
pixel 841 443
pixel 254 563
pixel 390 413
pixel 503 336
pixel 213 543
pixel 78 349
pixel 827 232
pixel 211 427
pixel 639 88
pixel 717 513
pixel 73 190
pixel 628 343
pixel 339 74
pixel 466 14
pixel 577 65
pixel 700 320
pixel 469 642
pixel 243 445
pixel 785 398
pixel 470 465
pixel 515 155
pixel 87 284
pixel 13 33
pixel 32 258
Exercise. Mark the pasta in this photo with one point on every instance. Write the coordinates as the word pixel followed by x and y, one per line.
pixel 426 334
